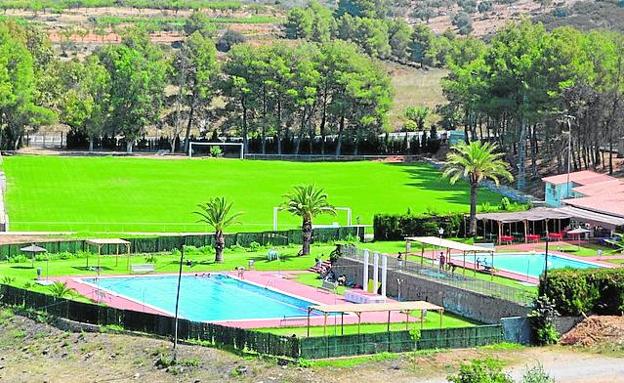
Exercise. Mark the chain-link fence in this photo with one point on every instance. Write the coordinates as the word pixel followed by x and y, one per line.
pixel 457 279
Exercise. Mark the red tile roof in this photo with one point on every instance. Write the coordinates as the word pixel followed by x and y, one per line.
pixel 607 187
pixel 584 177
pixel 612 204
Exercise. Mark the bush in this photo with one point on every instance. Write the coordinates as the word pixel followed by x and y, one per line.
pixel 537 375
pixel 585 291
pixel 542 321
pixel 392 227
pixel 481 371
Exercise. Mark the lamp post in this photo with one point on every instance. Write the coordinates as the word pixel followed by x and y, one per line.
pixel 175 328
pixel 546 264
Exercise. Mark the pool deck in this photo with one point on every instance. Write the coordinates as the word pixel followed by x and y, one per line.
pixel 280 281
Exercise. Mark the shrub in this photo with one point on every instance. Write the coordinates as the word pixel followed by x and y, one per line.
pixel 481 371
pixel 585 291
pixel 537 375
pixel 542 321
pixel 390 227
pixel 216 151
pixel 254 246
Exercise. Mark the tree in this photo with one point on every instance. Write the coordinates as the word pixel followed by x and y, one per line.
pixel 422 37
pixel 399 34
pixel 307 202
pixel 475 162
pixel 417 114
pixel 19 110
pixel 197 68
pixel 229 39
pixel 375 9
pixel 217 213
pixel 463 22
pixel 84 104
pixel 138 72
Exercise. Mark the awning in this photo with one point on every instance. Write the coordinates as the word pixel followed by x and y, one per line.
pixel 453 245
pixel 537 214
pixel 33 249
pixel 582 214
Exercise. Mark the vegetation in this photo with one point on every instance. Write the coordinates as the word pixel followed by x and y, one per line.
pixel 113 194
pixel 307 202
pixel 585 291
pixel 217 214
pixel 60 290
pixel 480 371
pixel 476 162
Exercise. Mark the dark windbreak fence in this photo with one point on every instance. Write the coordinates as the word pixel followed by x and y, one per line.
pixel 167 243
pixel 249 340
pixel 221 336
pixel 399 341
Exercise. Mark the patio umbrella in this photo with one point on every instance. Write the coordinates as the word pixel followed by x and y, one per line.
pixel 579 231
pixel 33 250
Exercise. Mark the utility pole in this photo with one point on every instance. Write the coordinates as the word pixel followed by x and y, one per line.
pixel 177 305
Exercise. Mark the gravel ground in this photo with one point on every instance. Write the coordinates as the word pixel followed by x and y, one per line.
pixel 35 352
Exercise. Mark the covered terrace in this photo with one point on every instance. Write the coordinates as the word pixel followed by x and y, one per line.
pixel 552 223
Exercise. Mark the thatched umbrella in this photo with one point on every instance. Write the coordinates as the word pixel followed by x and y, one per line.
pixel 34 250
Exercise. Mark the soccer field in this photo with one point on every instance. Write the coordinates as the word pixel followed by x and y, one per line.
pixel 116 194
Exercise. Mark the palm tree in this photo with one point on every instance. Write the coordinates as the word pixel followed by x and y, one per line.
pixel 307 201
pixel 216 213
pixel 475 162
pixel 60 289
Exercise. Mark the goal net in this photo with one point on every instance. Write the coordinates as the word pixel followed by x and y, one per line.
pixel 194 149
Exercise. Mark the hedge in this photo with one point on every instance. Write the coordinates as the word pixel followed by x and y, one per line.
pixel 389 227
pixel 585 291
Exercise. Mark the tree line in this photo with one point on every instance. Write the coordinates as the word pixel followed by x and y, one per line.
pixel 273 91
pixel 369 25
pixel 535 92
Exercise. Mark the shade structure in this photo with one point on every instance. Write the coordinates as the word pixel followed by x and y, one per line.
pixel 448 244
pixel 358 309
pixel 579 230
pixel 33 250
pixel 109 241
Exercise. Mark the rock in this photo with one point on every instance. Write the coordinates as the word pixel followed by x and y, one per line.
pixel 197 381
pixel 45 351
pixel 241 370
pixel 137 376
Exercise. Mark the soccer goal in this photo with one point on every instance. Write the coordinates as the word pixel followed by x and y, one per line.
pixel 219 144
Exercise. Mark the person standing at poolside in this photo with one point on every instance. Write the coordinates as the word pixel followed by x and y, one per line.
pixel 442 260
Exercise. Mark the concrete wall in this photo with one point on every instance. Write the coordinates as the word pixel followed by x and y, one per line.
pixel 405 286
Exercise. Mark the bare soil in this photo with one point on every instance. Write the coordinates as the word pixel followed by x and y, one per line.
pixel 596 330
pixel 32 351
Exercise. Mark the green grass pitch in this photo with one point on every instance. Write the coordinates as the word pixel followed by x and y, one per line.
pixel 116 194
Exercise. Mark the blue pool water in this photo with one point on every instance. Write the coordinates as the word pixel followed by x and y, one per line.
pixel 213 298
pixel 531 264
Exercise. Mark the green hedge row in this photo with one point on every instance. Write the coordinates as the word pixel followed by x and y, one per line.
pixel 395 227
pixel 585 291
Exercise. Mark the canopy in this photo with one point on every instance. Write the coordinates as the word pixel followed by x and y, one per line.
pixel 537 214
pixel 579 230
pixel 446 243
pixel 359 309
pixel 33 249
pixel 376 307
pixel 99 242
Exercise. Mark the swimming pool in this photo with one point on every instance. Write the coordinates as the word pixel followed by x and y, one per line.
pixel 531 264
pixel 213 298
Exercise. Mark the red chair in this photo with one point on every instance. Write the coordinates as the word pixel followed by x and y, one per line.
pixel 508 239
pixel 555 236
pixel 533 237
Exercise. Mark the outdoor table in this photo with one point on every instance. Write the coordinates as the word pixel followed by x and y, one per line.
pixel 505 239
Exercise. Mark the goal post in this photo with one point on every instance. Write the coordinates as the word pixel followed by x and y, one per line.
pixel 276 210
pixel 239 144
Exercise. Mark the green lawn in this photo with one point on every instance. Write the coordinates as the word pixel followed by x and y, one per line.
pixel 203 260
pixel 116 194
pixel 432 320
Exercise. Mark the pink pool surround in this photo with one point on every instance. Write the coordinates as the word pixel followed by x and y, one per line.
pixel 283 282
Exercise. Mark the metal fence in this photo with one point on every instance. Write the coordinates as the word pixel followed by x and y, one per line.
pixel 454 279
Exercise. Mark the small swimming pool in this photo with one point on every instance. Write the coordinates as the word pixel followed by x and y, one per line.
pixel 531 264
pixel 213 298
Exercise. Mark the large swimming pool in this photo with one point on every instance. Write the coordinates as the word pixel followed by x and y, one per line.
pixel 529 264
pixel 213 298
